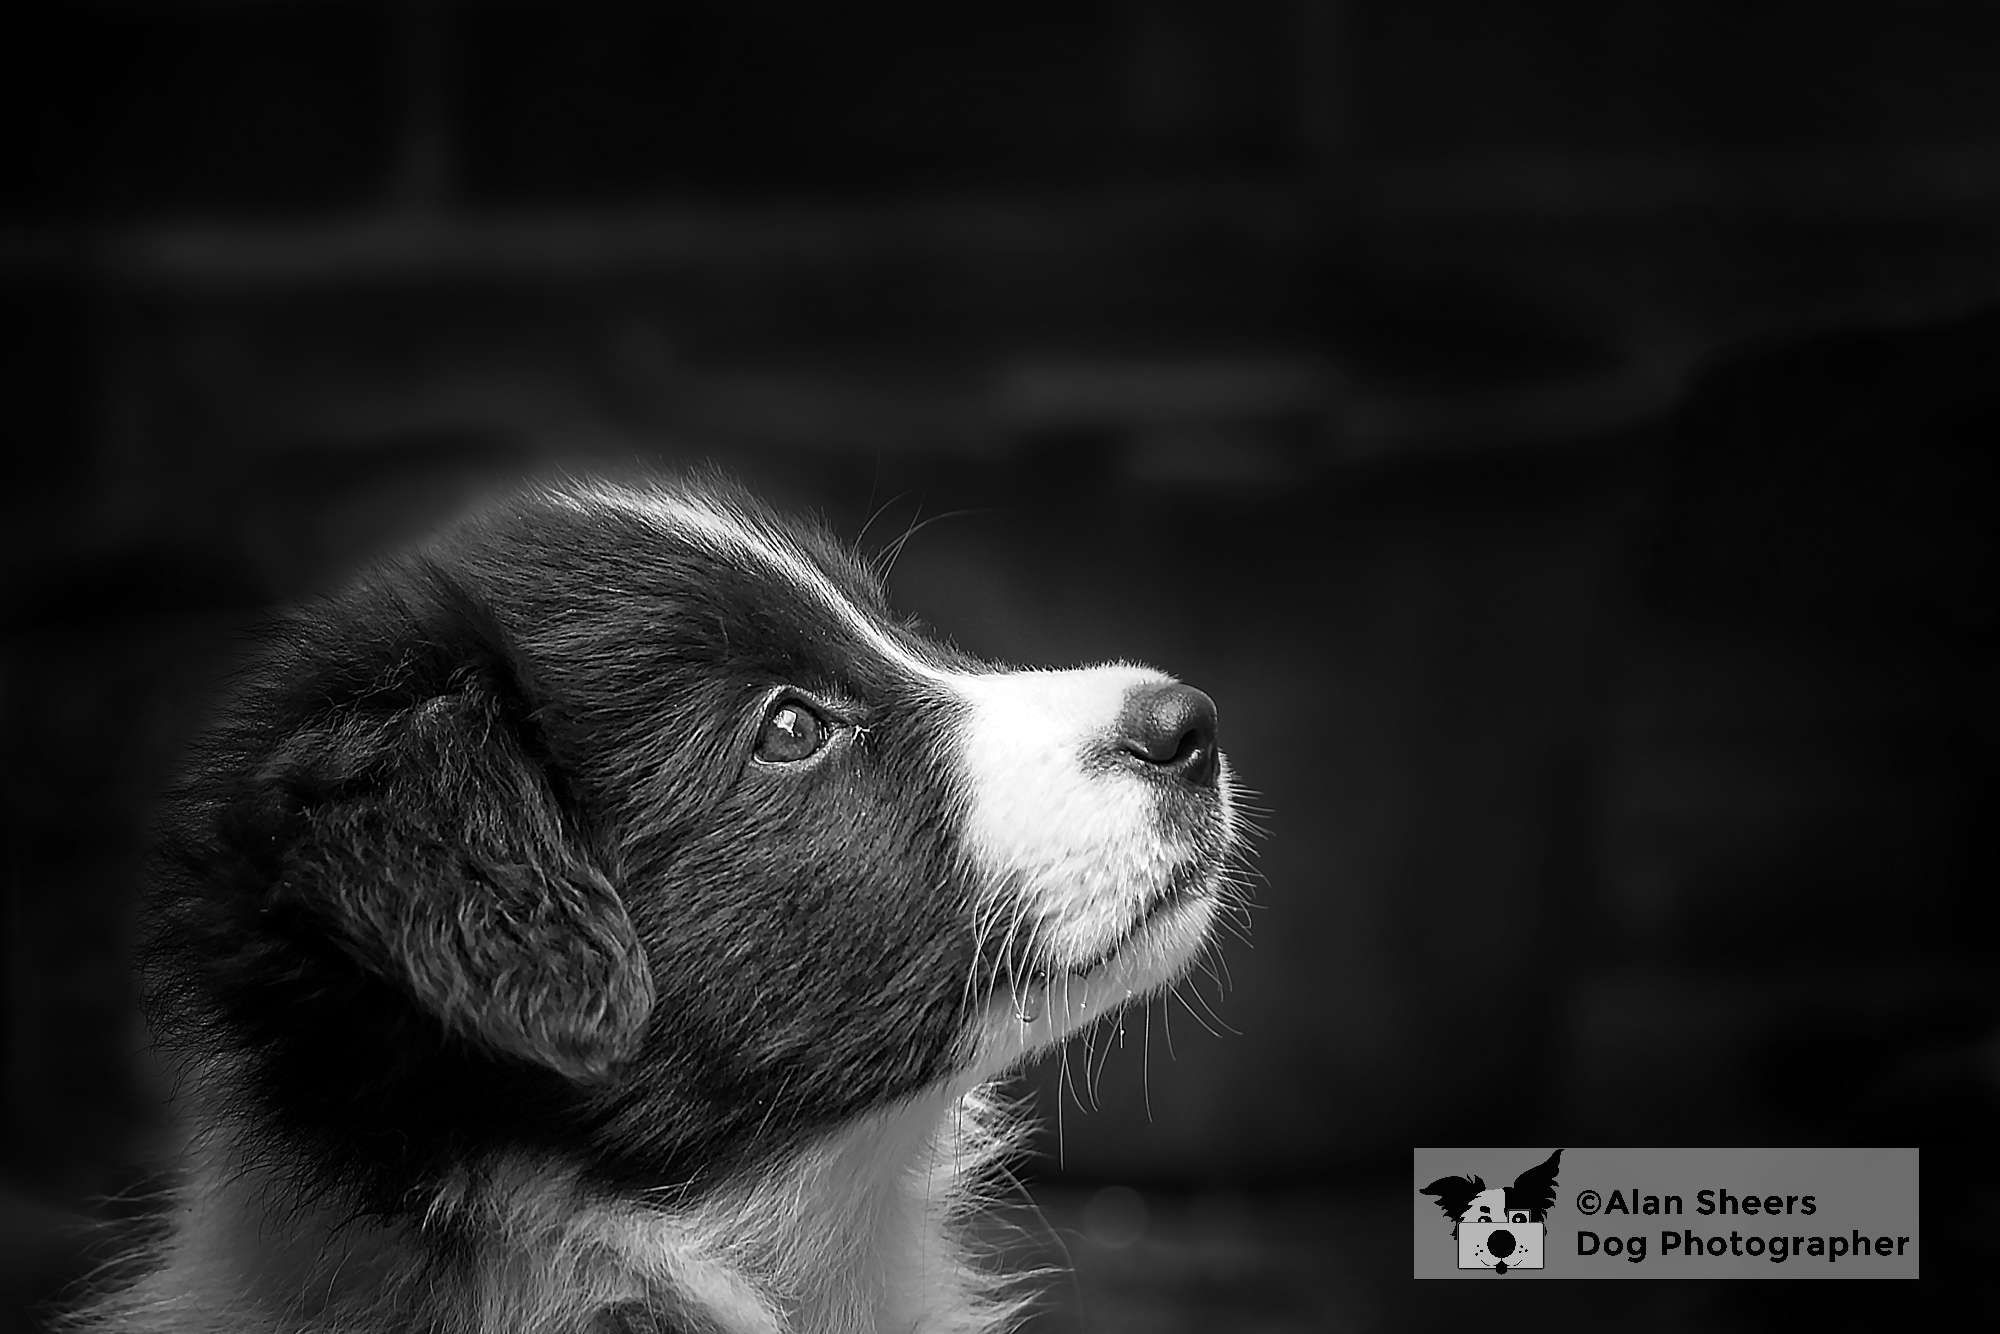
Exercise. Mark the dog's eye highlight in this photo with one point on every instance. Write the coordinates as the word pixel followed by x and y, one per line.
pixel 792 731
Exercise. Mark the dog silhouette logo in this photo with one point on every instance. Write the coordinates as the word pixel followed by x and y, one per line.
pixel 1502 1228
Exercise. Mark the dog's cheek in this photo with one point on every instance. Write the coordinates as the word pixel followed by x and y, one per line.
pixel 811 952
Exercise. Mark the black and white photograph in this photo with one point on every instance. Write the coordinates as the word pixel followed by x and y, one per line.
pixel 735 667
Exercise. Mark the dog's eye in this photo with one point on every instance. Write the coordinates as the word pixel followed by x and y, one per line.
pixel 1517 1217
pixel 792 731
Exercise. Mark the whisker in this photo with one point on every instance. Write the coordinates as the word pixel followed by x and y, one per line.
pixel 1068 1010
pixel 1222 962
pixel 1062 1073
pixel 895 552
pixel 1089 1055
pixel 985 916
pixel 1008 960
pixel 1146 1063
pixel 1198 1018
pixel 1097 1080
pixel 875 514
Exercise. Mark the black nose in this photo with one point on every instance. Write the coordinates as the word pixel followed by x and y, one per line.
pixel 1171 729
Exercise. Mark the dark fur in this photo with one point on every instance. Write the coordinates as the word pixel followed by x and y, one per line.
pixel 464 869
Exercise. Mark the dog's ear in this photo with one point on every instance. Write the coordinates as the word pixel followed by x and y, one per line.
pixel 1454 1193
pixel 1535 1189
pixel 422 840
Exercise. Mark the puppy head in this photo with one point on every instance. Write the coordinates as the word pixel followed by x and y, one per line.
pixel 630 824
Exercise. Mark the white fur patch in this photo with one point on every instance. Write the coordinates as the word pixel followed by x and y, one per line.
pixel 854 1235
pixel 1079 845
pixel 1075 854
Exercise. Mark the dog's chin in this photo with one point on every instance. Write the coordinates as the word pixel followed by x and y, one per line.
pixel 1023 1021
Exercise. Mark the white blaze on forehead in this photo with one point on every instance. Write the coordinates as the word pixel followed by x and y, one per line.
pixel 732 534
pixel 1077 842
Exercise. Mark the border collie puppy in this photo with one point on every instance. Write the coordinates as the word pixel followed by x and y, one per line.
pixel 609 916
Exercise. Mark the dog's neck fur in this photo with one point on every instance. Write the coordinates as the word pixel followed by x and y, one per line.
pixel 854 1234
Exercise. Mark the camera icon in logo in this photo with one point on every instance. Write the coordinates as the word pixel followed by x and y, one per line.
pixel 1500 1228
pixel 1501 1246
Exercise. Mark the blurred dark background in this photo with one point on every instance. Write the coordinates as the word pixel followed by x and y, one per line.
pixel 1562 439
